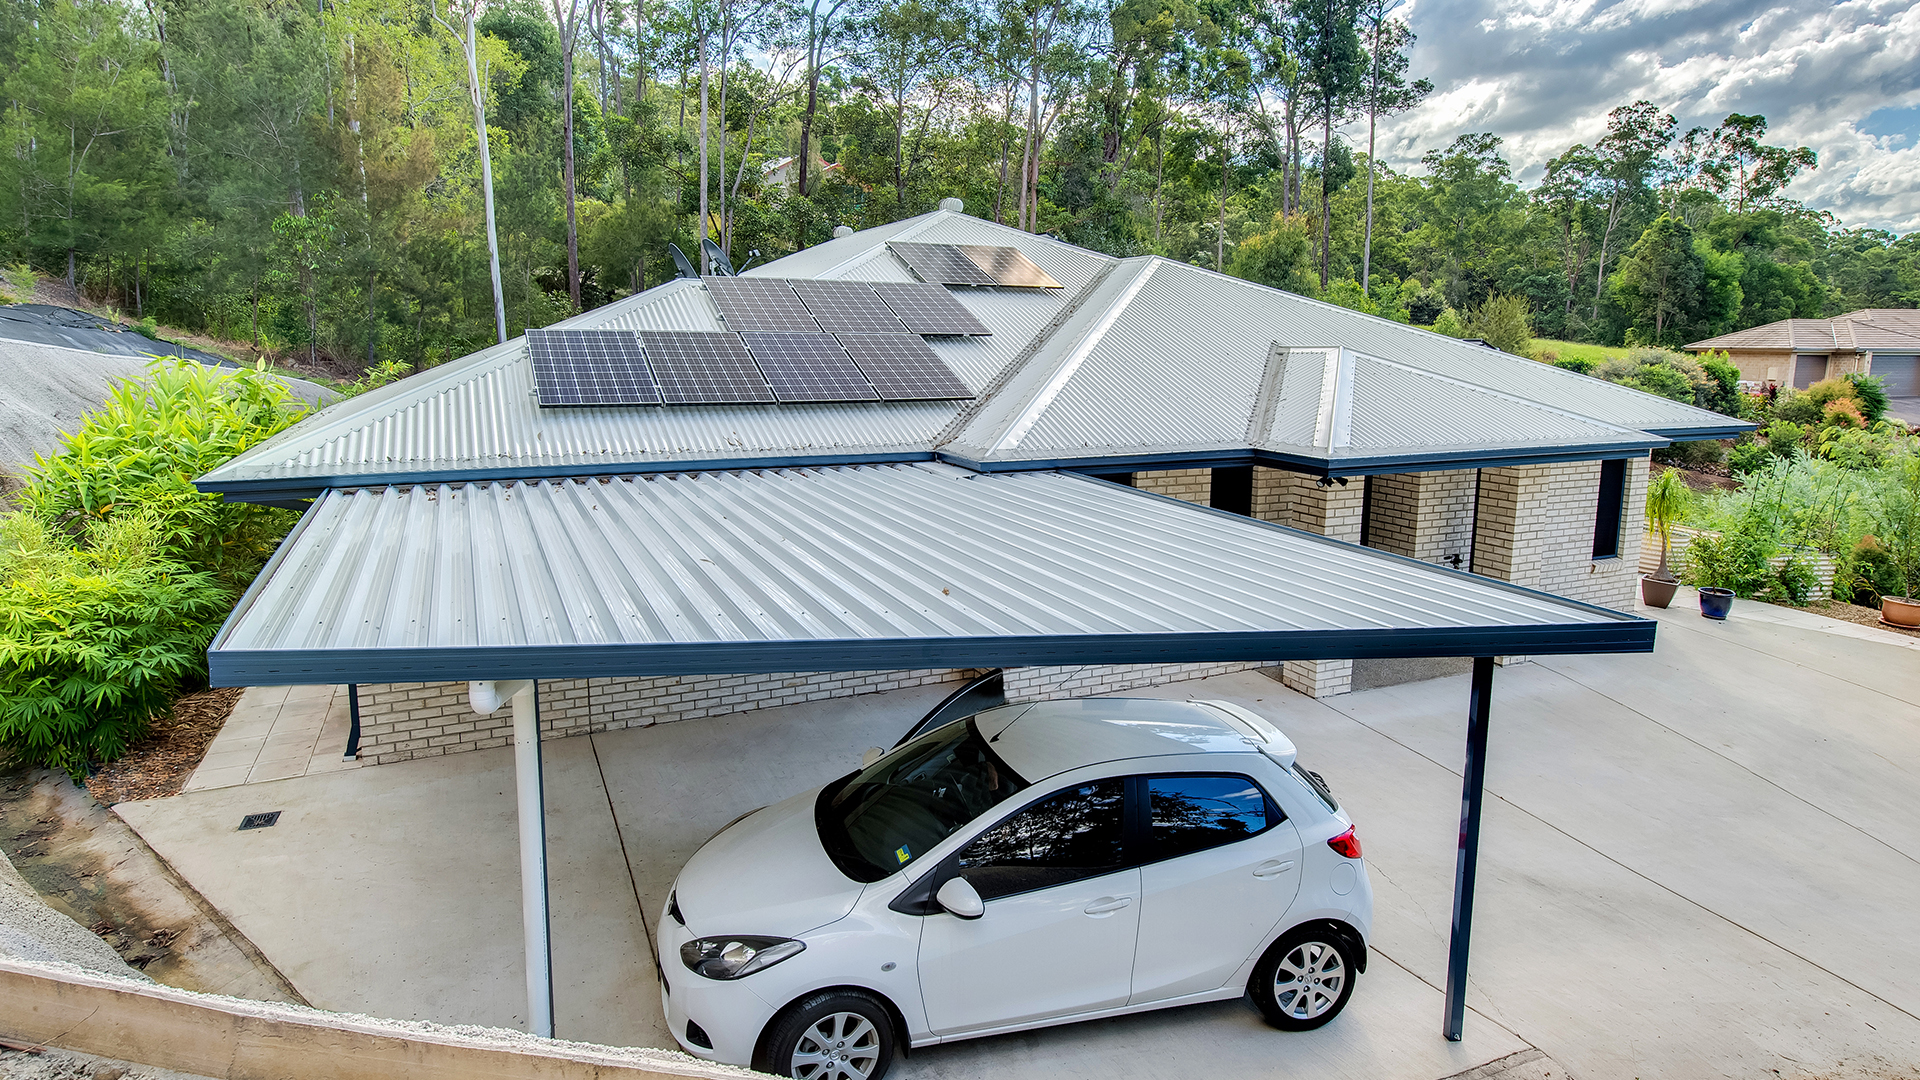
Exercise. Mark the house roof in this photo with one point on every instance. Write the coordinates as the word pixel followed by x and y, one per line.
pixel 1894 330
pixel 1137 362
pixel 843 568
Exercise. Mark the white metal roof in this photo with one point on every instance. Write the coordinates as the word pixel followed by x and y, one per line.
pixel 848 568
pixel 1141 360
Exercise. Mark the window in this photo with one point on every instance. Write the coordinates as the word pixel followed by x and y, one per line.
pixel 1232 490
pixel 1072 835
pixel 1193 813
pixel 895 810
pixel 1606 518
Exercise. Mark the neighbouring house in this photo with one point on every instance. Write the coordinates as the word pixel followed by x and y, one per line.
pixel 1232 396
pixel 1800 352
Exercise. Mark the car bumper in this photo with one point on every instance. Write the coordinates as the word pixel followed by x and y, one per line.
pixel 730 1013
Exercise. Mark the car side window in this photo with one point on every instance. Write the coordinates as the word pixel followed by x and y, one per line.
pixel 1065 837
pixel 1193 813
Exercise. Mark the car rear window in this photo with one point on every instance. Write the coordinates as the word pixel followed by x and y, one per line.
pixel 897 809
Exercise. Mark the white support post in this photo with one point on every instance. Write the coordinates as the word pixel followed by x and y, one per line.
pixel 533 858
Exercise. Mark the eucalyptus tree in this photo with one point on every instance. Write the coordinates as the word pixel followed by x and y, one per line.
pixel 1625 162
pixel 566 18
pixel 1734 164
pixel 469 36
pixel 1389 44
pixel 1333 67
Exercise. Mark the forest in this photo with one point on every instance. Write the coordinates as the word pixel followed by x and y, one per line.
pixel 318 180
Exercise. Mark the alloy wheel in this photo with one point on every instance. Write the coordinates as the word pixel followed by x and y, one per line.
pixel 1309 980
pixel 838 1046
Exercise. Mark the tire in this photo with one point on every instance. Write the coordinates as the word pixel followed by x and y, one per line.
pixel 832 1035
pixel 1305 978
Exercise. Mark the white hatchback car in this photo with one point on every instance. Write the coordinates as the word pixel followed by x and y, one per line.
pixel 1024 866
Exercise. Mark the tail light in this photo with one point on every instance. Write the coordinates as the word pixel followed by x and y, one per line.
pixel 1347 844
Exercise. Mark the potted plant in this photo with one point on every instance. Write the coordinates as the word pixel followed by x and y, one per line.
pixel 1728 564
pixel 1666 500
pixel 1897 519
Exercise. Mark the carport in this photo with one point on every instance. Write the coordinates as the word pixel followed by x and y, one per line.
pixel 849 568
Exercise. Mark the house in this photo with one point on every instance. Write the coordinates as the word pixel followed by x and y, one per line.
pixel 1166 377
pixel 1800 352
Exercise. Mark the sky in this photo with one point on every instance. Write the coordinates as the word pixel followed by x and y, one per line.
pixel 1842 78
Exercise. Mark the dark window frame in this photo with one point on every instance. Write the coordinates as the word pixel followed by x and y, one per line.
pixel 1610 509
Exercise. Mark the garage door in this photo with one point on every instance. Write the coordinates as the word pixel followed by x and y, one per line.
pixel 1901 374
pixel 1808 370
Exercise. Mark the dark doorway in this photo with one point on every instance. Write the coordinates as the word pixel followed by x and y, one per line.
pixel 1233 490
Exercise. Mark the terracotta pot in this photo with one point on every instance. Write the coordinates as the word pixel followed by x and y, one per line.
pixel 1715 603
pixel 1655 592
pixel 1900 611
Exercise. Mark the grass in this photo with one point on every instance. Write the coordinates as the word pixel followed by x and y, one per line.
pixel 1576 350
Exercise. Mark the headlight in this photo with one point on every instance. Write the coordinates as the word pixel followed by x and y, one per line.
pixel 736 957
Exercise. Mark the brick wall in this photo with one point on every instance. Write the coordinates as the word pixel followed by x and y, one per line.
pixel 401 721
pixel 1191 485
pixel 1300 502
pixel 1426 516
pixel 1049 683
pixel 1535 528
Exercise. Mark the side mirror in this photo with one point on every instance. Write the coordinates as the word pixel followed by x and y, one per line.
pixel 870 755
pixel 960 899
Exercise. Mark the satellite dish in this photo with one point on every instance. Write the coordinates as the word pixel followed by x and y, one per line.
pixel 717 259
pixel 681 262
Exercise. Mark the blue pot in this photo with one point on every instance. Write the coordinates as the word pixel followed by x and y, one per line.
pixel 1715 603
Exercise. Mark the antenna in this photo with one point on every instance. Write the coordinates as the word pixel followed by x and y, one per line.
pixel 717 259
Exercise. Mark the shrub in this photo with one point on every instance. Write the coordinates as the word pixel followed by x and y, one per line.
pixel 1735 559
pixel 1450 324
pixel 144 448
pixel 1843 413
pixel 1505 322
pixel 1663 372
pixel 1870 393
pixel 1895 511
pixel 1693 454
pixel 1748 455
pixel 1571 363
pixel 97 633
pixel 1795 407
pixel 1867 574
pixel 1794 581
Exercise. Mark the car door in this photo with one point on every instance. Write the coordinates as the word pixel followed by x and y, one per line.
pixel 1222 865
pixel 1062 907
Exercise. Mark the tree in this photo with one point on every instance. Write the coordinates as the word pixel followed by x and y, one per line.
pixel 567 19
pixel 1624 160
pixel 1389 44
pixel 1732 160
pixel 1659 282
pixel 1333 67
pixel 468 37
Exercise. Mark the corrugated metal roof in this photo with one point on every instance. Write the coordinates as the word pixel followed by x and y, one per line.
pixel 842 569
pixel 1131 359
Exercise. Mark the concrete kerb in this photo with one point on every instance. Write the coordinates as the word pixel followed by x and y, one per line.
pixel 226 1038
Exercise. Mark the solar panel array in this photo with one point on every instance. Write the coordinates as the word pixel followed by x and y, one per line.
pixel 590 367
pixel 903 367
pixel 942 264
pixel 848 306
pixel 788 341
pixel 760 304
pixel 973 264
pixel 809 367
pixel 704 367
pixel 928 309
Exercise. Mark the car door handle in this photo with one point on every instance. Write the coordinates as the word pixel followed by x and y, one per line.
pixel 1106 905
pixel 1272 867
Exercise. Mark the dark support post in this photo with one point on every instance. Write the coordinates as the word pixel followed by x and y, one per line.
pixel 1479 704
pixel 353 713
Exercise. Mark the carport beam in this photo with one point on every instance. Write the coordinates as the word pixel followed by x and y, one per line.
pixel 532 812
pixel 1473 785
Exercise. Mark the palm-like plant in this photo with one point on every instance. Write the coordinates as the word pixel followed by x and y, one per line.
pixel 1667 498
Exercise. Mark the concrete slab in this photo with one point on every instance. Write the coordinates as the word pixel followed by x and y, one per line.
pixel 1696 863
pixel 276 733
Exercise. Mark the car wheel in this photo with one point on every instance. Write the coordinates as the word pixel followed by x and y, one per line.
pixel 1305 979
pixel 837 1035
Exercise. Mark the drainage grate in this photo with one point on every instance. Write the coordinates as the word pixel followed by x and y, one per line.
pixel 259 821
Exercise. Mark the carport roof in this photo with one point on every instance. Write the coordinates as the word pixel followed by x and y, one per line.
pixel 841 569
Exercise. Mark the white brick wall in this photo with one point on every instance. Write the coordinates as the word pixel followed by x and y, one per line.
pixel 1536 529
pixel 1426 516
pixel 1088 680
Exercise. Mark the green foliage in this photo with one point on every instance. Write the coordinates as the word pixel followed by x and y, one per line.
pixel 1450 324
pixel 1867 574
pixel 1870 394
pixel 1794 581
pixel 1280 255
pixel 97 633
pixel 1658 371
pixel 1895 512
pixel 1385 303
pixel 115 571
pixel 1667 499
pixel 1575 363
pixel 1503 321
pixel 1735 559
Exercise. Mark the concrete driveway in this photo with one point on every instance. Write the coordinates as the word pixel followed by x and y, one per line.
pixel 1697 863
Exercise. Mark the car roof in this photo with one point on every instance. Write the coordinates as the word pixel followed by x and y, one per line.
pixel 1049 737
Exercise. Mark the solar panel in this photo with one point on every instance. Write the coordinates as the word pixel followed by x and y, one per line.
pixel 704 367
pixel 903 367
pixel 760 304
pixel 848 306
pixel 809 367
pixel 942 264
pixel 928 309
pixel 590 367
pixel 1008 266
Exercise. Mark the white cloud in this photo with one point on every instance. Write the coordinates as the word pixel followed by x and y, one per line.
pixel 1544 73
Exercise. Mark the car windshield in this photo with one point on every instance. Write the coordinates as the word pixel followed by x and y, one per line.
pixel 895 810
